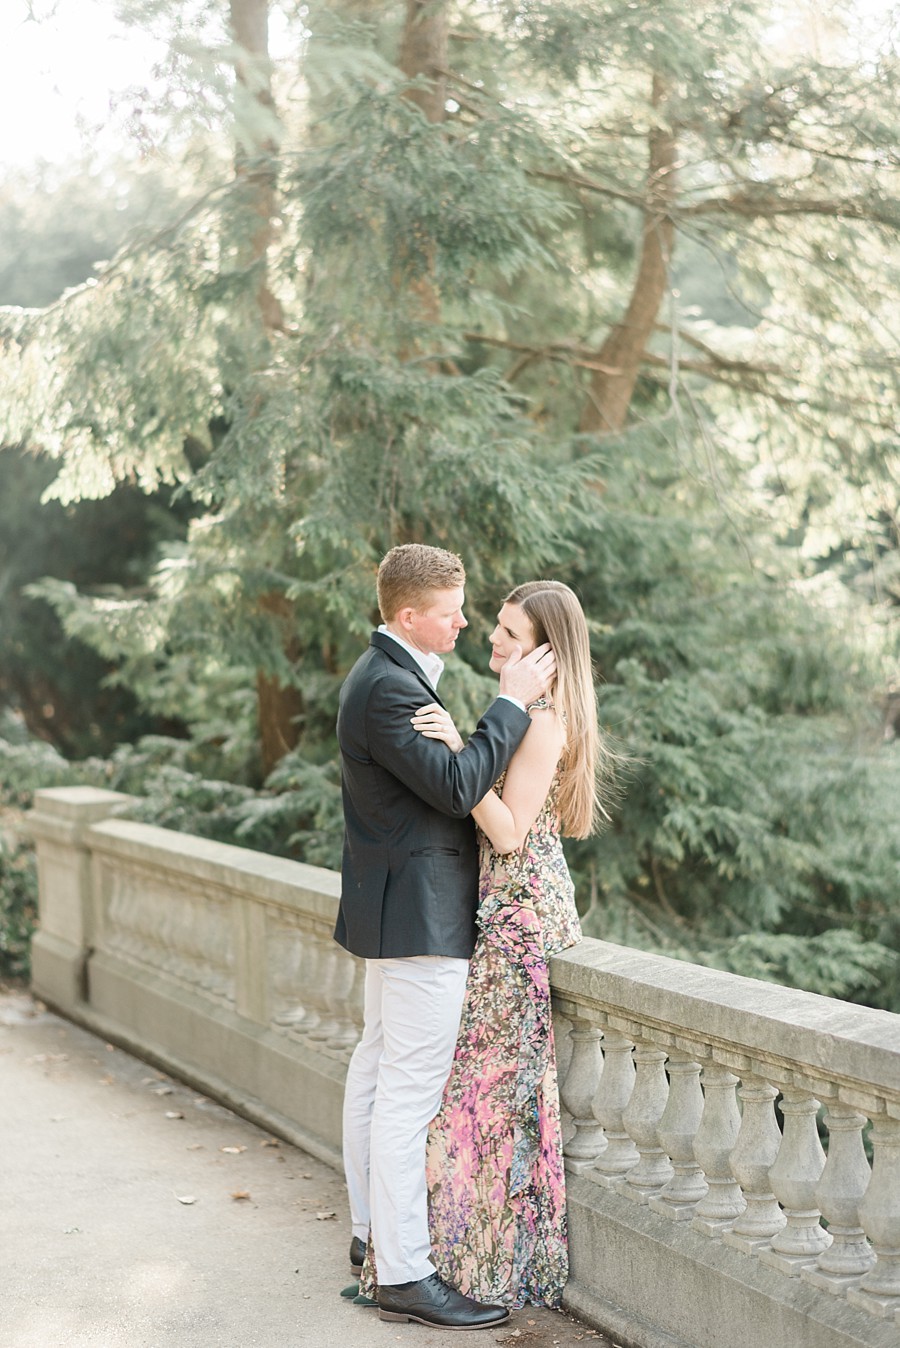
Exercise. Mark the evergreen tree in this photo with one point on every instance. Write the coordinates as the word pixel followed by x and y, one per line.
pixel 437 298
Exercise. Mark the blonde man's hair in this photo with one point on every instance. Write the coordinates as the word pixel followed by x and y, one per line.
pixel 556 616
pixel 410 574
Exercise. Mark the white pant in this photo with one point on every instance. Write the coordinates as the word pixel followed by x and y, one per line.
pixel 395 1082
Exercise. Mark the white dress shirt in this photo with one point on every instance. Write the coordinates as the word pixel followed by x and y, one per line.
pixel 432 666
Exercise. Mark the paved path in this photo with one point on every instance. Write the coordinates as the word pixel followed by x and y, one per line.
pixel 136 1214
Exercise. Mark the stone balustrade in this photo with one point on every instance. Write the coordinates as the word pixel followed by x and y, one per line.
pixel 720 1190
pixel 714 1096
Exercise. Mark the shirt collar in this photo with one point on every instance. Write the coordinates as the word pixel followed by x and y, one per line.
pixel 432 666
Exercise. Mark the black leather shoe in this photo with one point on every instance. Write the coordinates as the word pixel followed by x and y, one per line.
pixel 357 1255
pixel 432 1302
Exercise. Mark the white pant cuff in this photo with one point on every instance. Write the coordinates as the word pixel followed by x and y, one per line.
pixel 391 1277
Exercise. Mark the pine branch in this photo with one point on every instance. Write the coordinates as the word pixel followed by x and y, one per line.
pixel 160 239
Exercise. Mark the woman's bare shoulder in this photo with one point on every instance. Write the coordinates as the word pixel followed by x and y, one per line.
pixel 548 729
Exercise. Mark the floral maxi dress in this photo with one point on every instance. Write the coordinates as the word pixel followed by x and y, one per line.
pixel 497 1204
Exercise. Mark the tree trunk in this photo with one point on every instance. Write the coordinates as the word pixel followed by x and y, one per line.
pixel 423 54
pixel 611 388
pixel 279 707
pixel 256 144
pixel 255 167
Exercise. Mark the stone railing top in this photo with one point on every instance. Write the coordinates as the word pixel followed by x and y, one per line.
pixel 239 870
pixel 81 804
pixel 827 1039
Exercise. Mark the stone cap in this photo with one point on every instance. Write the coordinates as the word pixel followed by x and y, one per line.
pixel 81 803
pixel 63 813
pixel 821 1037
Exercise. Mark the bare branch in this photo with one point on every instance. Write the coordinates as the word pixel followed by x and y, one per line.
pixel 567 352
pixel 755 205
pixel 588 185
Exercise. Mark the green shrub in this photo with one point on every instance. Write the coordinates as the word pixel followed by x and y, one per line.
pixel 18 908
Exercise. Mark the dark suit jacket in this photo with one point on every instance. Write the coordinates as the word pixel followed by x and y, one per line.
pixel 410 867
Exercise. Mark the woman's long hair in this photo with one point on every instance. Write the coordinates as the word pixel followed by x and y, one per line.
pixel 556 616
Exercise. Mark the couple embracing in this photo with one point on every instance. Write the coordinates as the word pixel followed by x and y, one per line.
pixel 452 1145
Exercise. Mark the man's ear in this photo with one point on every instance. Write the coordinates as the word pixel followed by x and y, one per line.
pixel 404 617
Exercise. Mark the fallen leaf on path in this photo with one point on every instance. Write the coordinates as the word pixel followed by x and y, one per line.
pixel 186 1198
pixel 233 1151
pixel 239 1194
pixel 325 1216
pixel 270 1142
pixel 174 1114
pixel 163 1090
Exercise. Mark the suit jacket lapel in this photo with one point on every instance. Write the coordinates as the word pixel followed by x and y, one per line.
pixel 402 657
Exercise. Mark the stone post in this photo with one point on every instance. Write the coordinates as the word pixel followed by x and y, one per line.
pixel 58 825
pixel 577 1092
pixel 641 1118
pixel 879 1214
pixel 843 1184
pixel 723 1203
pixel 795 1177
pixel 755 1152
pixel 677 1129
pixel 611 1099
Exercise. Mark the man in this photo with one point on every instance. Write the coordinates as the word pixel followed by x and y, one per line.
pixel 408 899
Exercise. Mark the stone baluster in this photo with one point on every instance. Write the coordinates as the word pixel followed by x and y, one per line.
pixel 844 1182
pixel 339 990
pixel 153 924
pixel 718 1132
pixel 168 939
pixel 610 1100
pixel 221 950
pixel 356 998
pixel 577 1091
pixel 308 987
pixel 795 1177
pixel 285 960
pixel 121 919
pixel 641 1118
pixel 209 944
pixel 677 1129
pixel 306 1014
pixel 316 974
pixel 755 1152
pixel 879 1213
pixel 199 920
pixel 326 993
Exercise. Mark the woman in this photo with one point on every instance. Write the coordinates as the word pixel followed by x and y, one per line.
pixel 495 1167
